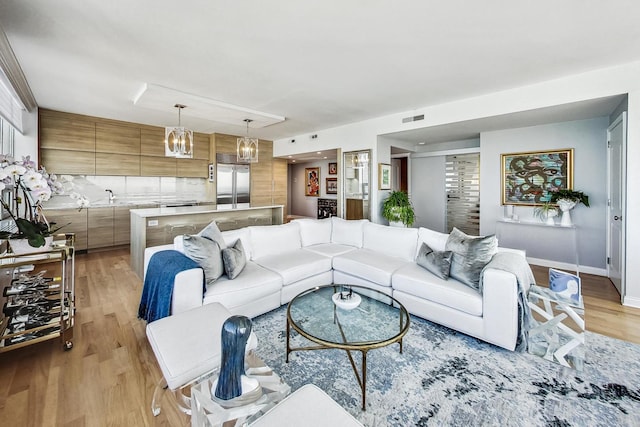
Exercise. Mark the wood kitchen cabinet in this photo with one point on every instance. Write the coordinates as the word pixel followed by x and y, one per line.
pixel 100 227
pixel 65 131
pixel 73 221
pixel 122 225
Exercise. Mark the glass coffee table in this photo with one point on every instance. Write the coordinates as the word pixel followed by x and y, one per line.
pixel 376 320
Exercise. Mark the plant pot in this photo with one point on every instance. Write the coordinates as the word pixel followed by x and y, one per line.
pixel 565 206
pixel 396 224
pixel 22 246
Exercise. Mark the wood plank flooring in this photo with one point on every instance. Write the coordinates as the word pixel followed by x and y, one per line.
pixel 108 378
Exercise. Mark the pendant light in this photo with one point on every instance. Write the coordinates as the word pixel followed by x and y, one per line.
pixel 178 141
pixel 247 148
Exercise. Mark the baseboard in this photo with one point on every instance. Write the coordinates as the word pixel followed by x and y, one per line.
pixel 631 302
pixel 568 266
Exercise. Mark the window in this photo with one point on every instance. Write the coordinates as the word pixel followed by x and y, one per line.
pixel 7 134
pixel 462 187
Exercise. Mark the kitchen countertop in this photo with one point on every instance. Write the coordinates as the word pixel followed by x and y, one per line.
pixel 186 210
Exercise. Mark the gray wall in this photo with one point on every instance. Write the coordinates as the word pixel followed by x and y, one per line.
pixel 588 138
pixel 428 196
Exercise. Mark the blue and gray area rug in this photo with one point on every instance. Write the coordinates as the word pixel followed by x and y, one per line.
pixel 444 378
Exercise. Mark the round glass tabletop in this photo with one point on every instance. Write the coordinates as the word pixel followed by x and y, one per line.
pixel 376 321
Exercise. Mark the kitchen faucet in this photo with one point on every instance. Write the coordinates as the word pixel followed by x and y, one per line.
pixel 111 196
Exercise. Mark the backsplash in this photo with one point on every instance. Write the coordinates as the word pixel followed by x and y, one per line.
pixel 133 189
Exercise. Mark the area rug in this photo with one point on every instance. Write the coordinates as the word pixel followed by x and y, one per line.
pixel 445 378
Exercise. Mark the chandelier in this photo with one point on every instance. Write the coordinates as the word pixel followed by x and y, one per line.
pixel 178 141
pixel 247 148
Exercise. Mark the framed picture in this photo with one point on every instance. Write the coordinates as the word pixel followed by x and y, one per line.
pixel 384 176
pixel 312 182
pixel 528 178
pixel 333 168
pixel 332 185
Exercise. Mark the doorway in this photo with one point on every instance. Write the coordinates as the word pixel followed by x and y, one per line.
pixel 616 171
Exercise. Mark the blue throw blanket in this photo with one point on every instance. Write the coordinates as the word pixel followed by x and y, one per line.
pixel 155 302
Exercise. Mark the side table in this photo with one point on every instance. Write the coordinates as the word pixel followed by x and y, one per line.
pixel 554 338
pixel 205 412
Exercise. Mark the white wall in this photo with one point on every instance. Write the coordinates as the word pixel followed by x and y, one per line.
pixel 588 139
pixel 308 205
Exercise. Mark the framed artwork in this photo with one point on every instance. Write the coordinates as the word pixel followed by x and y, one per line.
pixel 332 185
pixel 333 168
pixel 312 182
pixel 384 176
pixel 528 178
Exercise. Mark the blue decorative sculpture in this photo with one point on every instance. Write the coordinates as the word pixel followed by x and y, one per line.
pixel 235 333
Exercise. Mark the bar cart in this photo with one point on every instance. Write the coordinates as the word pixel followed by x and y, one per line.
pixel 38 295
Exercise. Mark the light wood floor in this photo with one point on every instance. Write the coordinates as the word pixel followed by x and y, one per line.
pixel 108 378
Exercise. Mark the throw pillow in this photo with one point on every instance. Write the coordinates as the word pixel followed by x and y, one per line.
pixel 212 232
pixel 234 259
pixel 206 253
pixel 470 255
pixel 437 262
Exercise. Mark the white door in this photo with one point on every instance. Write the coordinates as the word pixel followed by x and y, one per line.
pixel 616 162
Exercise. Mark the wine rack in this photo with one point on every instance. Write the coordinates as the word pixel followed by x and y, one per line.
pixel 38 296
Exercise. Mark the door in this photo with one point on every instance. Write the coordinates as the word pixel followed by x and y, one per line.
pixel 242 187
pixel 224 179
pixel 616 168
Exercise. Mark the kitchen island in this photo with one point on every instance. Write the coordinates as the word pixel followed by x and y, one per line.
pixel 159 226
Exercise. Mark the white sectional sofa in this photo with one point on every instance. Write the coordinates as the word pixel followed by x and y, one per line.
pixel 284 260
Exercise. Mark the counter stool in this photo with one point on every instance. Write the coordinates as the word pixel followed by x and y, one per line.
pixel 187 348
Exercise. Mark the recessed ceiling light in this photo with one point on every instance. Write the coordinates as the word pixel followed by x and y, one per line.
pixel 324 157
pixel 290 156
pixel 294 160
pixel 319 152
pixel 421 143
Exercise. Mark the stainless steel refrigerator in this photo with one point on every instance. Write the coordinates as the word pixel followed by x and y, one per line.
pixel 233 182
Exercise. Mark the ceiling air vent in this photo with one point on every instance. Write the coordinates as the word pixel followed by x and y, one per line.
pixel 413 118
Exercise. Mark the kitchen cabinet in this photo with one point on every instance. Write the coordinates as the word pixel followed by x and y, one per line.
pixel 122 225
pixel 73 221
pixel 83 145
pixel 99 228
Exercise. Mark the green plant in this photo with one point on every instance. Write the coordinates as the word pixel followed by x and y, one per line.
pixel 573 195
pixel 544 210
pixel 397 208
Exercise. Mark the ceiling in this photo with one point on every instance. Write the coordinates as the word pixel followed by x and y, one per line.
pixel 317 64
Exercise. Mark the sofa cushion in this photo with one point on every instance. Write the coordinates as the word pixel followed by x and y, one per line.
pixel 234 260
pixel 437 262
pixel 270 240
pixel 470 255
pixel 296 265
pixel 330 249
pixel 231 236
pixel 371 265
pixel 415 280
pixel 252 284
pixel 347 232
pixel 393 241
pixel 314 231
pixel 206 253
pixel 434 239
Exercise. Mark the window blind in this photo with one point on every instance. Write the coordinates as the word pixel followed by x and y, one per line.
pixel 462 188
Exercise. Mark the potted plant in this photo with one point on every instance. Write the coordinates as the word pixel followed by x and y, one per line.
pixel 546 212
pixel 28 187
pixel 397 209
pixel 566 200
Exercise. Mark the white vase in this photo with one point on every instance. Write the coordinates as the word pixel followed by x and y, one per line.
pixel 550 217
pixel 565 206
pixel 22 246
